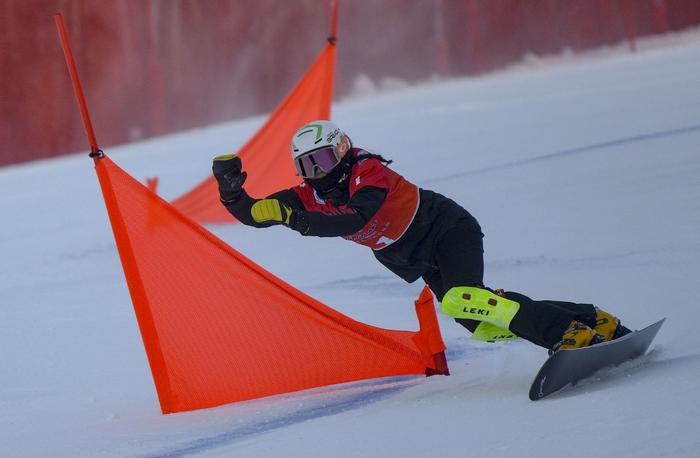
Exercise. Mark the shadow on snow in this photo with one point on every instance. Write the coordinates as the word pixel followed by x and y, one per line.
pixel 343 398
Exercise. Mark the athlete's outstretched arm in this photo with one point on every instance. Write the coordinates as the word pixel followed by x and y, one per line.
pixel 285 207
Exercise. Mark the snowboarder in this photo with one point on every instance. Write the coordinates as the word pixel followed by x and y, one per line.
pixel 352 193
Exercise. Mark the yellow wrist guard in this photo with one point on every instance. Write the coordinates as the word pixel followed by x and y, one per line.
pixel 271 211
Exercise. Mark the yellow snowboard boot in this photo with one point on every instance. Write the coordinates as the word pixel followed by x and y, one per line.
pixel 608 326
pixel 577 335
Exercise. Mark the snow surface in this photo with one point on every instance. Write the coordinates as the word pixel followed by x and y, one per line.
pixel 586 180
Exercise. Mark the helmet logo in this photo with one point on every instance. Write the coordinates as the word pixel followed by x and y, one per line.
pixel 318 127
pixel 332 135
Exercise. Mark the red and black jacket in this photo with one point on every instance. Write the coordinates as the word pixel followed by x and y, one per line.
pixel 379 209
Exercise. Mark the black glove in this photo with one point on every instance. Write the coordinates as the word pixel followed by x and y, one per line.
pixel 227 171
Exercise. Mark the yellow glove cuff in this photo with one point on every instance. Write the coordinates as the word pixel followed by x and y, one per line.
pixel 267 210
pixel 225 157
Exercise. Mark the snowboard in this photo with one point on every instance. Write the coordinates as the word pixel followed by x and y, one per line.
pixel 570 366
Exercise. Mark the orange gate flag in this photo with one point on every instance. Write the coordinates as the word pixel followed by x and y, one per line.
pixel 218 328
pixel 267 155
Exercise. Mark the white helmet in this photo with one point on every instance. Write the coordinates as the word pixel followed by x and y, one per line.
pixel 318 147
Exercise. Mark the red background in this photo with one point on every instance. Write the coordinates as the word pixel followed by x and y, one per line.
pixel 150 67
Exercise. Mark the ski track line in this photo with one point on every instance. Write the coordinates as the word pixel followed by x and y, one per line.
pixel 568 152
pixel 391 286
pixel 629 258
pixel 324 409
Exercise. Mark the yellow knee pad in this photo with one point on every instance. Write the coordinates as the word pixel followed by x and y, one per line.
pixel 488 332
pixel 471 303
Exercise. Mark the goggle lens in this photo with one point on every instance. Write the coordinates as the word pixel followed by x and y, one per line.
pixel 321 160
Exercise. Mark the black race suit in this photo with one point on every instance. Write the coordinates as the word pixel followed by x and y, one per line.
pixel 443 245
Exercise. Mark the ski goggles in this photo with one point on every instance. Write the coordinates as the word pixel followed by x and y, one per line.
pixel 320 160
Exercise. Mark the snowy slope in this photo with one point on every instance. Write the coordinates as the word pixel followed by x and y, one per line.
pixel 586 180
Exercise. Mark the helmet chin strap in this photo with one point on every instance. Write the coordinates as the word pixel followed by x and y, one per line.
pixel 336 193
pixel 322 186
